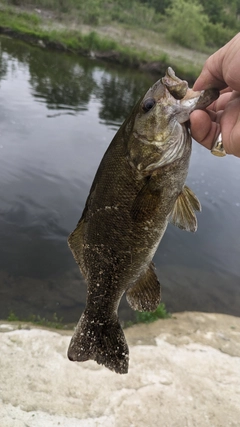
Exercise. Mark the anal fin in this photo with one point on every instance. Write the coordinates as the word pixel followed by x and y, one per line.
pixel 183 215
pixel 145 294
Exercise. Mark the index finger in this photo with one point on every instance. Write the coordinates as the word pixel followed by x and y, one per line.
pixel 222 68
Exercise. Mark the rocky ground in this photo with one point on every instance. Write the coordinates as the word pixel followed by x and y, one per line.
pixel 184 371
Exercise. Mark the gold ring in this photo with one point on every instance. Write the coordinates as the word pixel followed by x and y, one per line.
pixel 218 148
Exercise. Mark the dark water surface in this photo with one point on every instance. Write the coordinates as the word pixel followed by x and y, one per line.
pixel 58 114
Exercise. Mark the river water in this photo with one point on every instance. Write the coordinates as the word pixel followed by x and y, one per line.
pixel 58 114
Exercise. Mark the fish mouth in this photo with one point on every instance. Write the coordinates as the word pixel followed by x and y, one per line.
pixel 176 87
pixel 187 100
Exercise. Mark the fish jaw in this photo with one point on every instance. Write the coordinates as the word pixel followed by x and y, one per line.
pixel 168 102
pixel 196 100
pixel 189 99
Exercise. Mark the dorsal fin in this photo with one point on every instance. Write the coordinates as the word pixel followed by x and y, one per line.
pixel 183 215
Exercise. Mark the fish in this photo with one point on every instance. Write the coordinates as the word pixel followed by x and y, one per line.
pixel 138 189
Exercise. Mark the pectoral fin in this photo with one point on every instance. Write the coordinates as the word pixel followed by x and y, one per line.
pixel 145 203
pixel 145 294
pixel 183 215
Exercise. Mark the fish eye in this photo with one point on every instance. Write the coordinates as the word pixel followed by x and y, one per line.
pixel 148 104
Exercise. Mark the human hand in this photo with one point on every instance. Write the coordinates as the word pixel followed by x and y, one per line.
pixel 221 71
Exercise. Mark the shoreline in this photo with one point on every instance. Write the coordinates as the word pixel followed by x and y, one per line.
pixel 110 56
pixel 138 49
pixel 177 323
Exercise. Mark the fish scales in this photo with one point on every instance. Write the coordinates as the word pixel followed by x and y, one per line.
pixel 139 187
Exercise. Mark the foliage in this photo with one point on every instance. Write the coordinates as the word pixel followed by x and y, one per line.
pixel 21 20
pixel 159 6
pixel 186 22
pixel 196 24
pixel 199 24
pixel 214 9
pixel 96 12
pixel 93 41
pixel 217 34
pixel 12 317
pixel 218 11
pixel 149 317
pixel 32 28
pixel 223 12
pixel 56 322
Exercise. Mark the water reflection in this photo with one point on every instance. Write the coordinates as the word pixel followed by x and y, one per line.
pixel 62 84
pixel 118 96
pixel 67 82
pixel 58 113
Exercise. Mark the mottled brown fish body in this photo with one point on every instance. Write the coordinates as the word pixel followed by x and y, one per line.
pixel 137 190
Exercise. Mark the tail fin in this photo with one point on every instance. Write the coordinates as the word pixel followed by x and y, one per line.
pixel 102 341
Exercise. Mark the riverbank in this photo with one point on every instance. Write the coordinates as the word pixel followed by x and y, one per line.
pixel 132 47
pixel 184 371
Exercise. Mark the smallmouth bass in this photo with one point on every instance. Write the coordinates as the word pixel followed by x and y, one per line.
pixel 139 187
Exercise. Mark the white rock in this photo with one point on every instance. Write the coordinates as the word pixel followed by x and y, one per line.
pixel 177 378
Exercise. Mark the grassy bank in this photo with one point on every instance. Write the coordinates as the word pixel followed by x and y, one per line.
pixel 134 47
pixel 58 323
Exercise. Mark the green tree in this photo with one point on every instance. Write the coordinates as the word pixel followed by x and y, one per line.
pixel 159 6
pixel 222 11
pixel 214 9
pixel 186 22
pixel 237 7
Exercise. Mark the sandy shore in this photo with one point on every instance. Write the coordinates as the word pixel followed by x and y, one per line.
pixel 184 371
